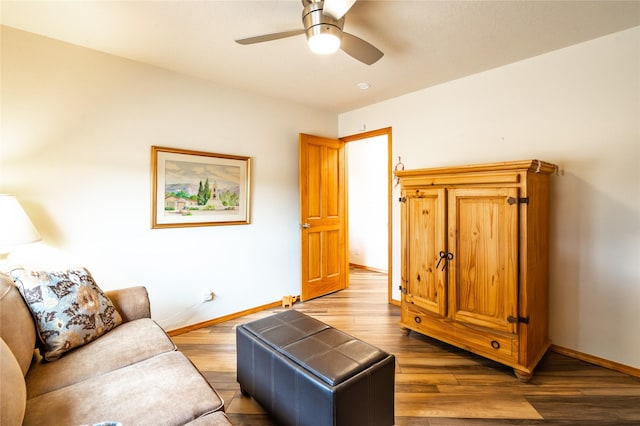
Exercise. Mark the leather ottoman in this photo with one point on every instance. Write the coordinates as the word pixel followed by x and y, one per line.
pixel 304 372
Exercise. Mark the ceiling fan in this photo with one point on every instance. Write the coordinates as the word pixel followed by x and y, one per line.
pixel 323 22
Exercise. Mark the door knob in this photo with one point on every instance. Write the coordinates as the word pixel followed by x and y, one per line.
pixel 305 225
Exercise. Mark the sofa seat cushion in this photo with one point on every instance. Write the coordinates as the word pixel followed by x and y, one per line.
pixel 69 308
pixel 127 344
pixel 164 390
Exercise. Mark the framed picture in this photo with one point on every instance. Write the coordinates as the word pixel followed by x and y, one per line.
pixel 194 188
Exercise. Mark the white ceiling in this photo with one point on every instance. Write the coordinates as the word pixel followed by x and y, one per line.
pixel 425 42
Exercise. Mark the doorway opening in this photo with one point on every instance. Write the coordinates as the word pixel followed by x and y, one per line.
pixel 369 183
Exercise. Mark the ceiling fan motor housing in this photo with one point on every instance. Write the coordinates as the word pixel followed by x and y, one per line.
pixel 315 22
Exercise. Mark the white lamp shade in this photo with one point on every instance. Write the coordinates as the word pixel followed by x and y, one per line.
pixel 15 226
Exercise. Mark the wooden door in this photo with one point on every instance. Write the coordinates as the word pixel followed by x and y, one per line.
pixel 322 216
pixel 483 274
pixel 424 234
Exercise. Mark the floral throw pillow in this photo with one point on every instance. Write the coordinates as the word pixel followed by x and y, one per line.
pixel 69 308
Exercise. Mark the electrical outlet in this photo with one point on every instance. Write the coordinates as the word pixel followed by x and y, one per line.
pixel 207 295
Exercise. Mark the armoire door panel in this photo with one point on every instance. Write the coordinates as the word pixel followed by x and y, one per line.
pixel 484 242
pixel 426 282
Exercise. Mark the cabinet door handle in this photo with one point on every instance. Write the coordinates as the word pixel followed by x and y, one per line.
pixel 514 320
pixel 446 257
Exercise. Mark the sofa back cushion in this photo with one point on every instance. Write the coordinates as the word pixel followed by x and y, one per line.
pixel 69 308
pixel 17 328
pixel 13 391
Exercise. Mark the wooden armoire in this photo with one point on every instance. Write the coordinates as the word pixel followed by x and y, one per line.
pixel 474 258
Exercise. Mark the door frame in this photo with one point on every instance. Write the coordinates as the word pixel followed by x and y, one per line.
pixel 366 135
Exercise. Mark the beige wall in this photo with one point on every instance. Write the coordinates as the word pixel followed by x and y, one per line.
pixel 577 107
pixel 77 127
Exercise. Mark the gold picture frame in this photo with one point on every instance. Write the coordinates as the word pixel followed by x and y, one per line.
pixel 196 188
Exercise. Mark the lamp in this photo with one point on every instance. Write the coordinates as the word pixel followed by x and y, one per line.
pixel 15 226
pixel 323 32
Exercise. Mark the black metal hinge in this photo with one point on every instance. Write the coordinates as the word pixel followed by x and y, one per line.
pixel 512 320
pixel 522 200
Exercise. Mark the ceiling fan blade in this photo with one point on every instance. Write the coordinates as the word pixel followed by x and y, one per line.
pixel 359 49
pixel 269 37
pixel 336 8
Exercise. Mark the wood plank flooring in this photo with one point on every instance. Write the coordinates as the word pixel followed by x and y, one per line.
pixel 436 384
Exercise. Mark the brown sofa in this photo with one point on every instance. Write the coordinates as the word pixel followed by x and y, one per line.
pixel 132 375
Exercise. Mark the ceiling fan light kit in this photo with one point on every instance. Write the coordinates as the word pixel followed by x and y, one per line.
pixel 323 43
pixel 323 28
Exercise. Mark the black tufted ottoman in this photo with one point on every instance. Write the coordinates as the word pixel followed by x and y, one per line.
pixel 305 372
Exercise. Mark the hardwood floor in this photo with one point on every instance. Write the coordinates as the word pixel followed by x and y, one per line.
pixel 436 384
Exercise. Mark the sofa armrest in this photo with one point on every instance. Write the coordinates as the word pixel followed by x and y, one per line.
pixel 131 302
